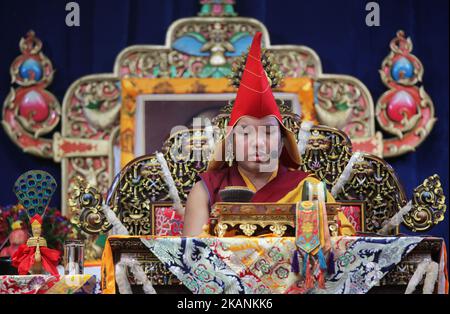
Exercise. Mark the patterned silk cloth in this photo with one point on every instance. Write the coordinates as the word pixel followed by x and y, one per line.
pixel 48 284
pixel 263 264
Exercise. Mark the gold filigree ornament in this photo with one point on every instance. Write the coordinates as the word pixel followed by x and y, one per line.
pixel 221 229
pixel 248 229
pixel 86 206
pixel 278 229
pixel 428 205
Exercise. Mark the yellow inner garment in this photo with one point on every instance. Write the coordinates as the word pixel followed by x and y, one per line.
pixel 249 183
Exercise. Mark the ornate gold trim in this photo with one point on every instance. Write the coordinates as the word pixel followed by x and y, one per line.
pixel 428 205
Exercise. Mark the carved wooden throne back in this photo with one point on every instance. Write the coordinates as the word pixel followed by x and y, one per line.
pixel 141 183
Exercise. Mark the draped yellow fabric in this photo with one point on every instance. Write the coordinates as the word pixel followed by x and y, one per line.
pixel 108 275
pixel 250 184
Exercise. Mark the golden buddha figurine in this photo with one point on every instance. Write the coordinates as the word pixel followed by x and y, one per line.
pixel 36 241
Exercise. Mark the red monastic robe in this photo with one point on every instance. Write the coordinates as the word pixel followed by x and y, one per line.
pixel 285 181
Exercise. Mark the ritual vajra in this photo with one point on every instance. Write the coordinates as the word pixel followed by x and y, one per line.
pixel 221 164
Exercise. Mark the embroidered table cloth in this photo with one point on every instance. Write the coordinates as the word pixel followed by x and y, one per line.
pixel 263 265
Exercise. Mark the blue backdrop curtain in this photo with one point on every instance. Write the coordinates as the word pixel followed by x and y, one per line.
pixel 336 30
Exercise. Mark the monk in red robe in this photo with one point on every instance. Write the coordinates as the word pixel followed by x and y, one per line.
pixel 264 156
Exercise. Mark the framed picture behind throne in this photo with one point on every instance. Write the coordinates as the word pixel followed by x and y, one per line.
pixel 153 107
pixel 157 115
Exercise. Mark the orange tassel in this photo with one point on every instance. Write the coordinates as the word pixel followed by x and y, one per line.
pixel 309 282
pixel 294 289
pixel 321 279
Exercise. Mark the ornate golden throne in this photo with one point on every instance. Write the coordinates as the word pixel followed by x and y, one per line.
pixel 140 190
pixel 140 185
pixel 98 118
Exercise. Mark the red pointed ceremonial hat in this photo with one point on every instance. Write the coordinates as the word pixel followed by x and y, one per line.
pixel 255 99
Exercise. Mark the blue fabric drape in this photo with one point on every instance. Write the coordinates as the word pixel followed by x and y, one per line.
pixel 336 30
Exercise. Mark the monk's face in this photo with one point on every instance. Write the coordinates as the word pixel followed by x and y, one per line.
pixel 257 143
